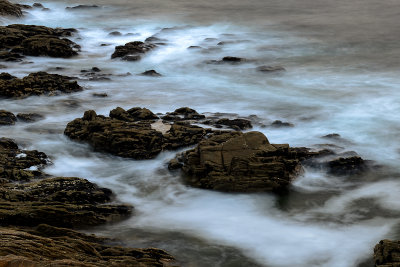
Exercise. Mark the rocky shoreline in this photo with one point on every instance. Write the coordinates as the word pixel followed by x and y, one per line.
pixel 40 215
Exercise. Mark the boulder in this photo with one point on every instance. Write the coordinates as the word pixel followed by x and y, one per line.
pixel 346 166
pixel 240 162
pixel 35 40
pixel 183 113
pixel 47 245
pixel 387 253
pixel 236 124
pixel 9 9
pixel 7 118
pixel 39 83
pixel 130 133
pixel 132 51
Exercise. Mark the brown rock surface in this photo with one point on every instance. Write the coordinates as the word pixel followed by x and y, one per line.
pixel 132 51
pixel 241 162
pixel 9 9
pixel 7 118
pixel 47 246
pixel 38 83
pixel 387 253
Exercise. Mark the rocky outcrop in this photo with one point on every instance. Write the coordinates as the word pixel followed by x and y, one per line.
pixel 240 162
pixel 29 117
pixel 132 51
pixel 39 83
pixel 130 133
pixel 7 118
pixel 47 245
pixel 9 9
pixel 32 40
pixel 387 253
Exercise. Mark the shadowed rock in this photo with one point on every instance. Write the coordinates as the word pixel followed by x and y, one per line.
pixel 132 51
pixel 39 83
pixel 7 118
pixel 236 124
pixel 9 9
pixel 239 162
pixel 183 113
pixel 29 117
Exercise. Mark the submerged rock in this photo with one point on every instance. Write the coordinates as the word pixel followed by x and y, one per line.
pixel 82 7
pixel 35 40
pixel 152 73
pixel 270 68
pixel 279 123
pixel 9 9
pixel 130 133
pixel 132 51
pixel 47 245
pixel 7 118
pixel 29 117
pixel 39 83
pixel 240 162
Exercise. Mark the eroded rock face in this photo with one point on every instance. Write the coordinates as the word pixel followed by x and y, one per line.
pixel 387 253
pixel 130 134
pixel 240 162
pixel 9 9
pixel 39 83
pixel 52 246
pixel 32 40
pixel 132 51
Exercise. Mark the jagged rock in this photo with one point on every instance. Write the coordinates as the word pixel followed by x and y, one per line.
pixel 236 124
pixel 38 83
pixel 233 161
pixel 9 9
pixel 52 246
pixel 152 73
pixel 61 201
pixel 270 68
pixel 387 253
pixel 29 117
pixel 19 165
pixel 7 118
pixel 130 134
pixel 347 166
pixel 132 51
pixel 183 113
pixel 35 40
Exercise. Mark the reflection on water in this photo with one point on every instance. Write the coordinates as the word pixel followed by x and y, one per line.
pixel 341 77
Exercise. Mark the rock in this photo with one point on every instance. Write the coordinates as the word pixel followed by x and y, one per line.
pixel 130 134
pixel 99 95
pixel 96 69
pixel 20 165
pixel 9 9
pixel 183 113
pixel 387 253
pixel 47 245
pixel 61 201
pixel 194 47
pixel 115 33
pixel 279 123
pixel 174 164
pixel 7 118
pixel 29 117
pixel 132 51
pixel 228 59
pixel 39 5
pixel 153 39
pixel 152 73
pixel 23 6
pixel 232 59
pixel 34 40
pixel 240 162
pixel 347 166
pixel 39 83
pixel 82 7
pixel 236 124
pixel 270 68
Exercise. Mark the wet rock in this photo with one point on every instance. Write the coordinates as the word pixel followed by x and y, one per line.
pixel 39 83
pixel 34 40
pixel 183 113
pixel 233 161
pixel 236 124
pixel 279 123
pixel 130 134
pixel 7 118
pixel 232 59
pixel 10 56
pixel 132 51
pixel 347 166
pixel 29 117
pixel 174 164
pixel 47 245
pixel 270 68
pixel 152 73
pixel 228 59
pixel 387 253
pixel 96 69
pixel 38 5
pixel 22 6
pixel 115 33
pixel 78 7
pixel 153 39
pixel 20 165
pixel 9 9
pixel 194 47
pixel 100 95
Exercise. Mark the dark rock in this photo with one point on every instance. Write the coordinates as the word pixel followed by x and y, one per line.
pixel 236 124
pixel 115 33
pixel 9 9
pixel 45 9
pixel 233 161
pixel 153 39
pixel 332 136
pixel 82 7
pixel 38 5
pixel 130 134
pixel 37 41
pixel 279 123
pixel 347 166
pixel 22 6
pixel 232 59
pixel 387 253
pixel 270 68
pixel 10 56
pixel 47 245
pixel 7 118
pixel 194 47
pixel 96 69
pixel 152 73
pixel 100 95
pixel 132 51
pixel 39 83
pixel 174 164
pixel 183 113
pixel 29 117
